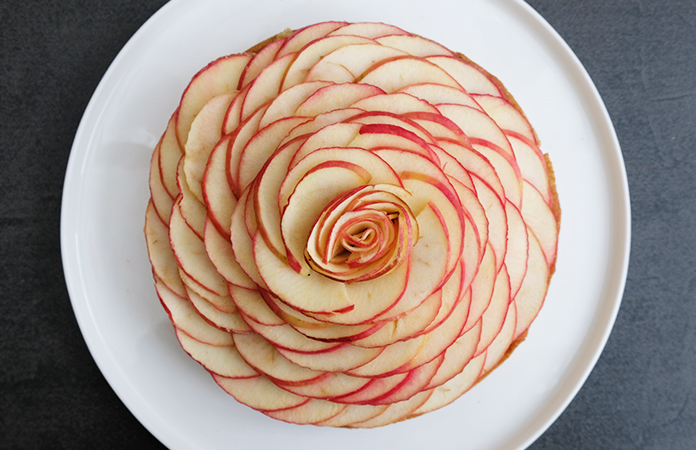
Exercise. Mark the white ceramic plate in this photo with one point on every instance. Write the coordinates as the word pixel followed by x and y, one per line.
pixel 106 191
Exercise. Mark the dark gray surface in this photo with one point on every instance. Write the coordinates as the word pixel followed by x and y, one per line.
pixel 642 56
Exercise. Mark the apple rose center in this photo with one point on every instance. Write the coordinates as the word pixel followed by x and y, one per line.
pixel 362 234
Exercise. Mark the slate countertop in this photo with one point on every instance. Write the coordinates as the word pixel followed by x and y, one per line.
pixel 641 54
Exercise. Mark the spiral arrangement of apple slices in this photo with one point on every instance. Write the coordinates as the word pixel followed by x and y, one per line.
pixel 350 224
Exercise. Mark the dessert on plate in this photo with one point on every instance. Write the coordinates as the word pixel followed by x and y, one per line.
pixel 350 224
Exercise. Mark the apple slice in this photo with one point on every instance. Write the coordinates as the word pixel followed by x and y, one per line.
pixel 452 389
pixel 230 321
pixel 352 414
pixel 348 62
pixel 439 94
pixel 399 103
pixel 160 252
pixel 496 352
pixel 335 96
pixel 218 77
pixel 332 385
pixel 457 357
pixel 313 52
pixel 160 199
pixel 204 134
pixel 539 217
pixel 220 201
pixel 169 155
pixel 309 413
pixel 395 412
pixel 287 102
pixel 414 45
pixel 259 393
pixel 224 361
pixel 368 29
pixel 414 383
pixel 506 115
pixel 396 73
pixel 468 75
pixel 260 61
pixel 266 86
pixel 517 248
pixel 342 358
pixel 494 316
pixel 532 164
pixel 530 297
pixel 185 317
pixel 300 38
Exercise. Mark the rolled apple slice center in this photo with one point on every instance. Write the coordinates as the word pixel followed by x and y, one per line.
pixel 363 234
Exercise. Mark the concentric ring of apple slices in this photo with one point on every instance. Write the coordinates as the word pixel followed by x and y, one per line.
pixel 349 225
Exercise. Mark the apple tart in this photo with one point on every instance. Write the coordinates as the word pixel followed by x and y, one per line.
pixel 349 224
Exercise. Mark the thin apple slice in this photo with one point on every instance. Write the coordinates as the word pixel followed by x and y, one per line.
pixel 532 293
pixel 517 248
pixel 160 199
pixel 333 385
pixel 396 103
pixel 192 211
pixel 313 52
pixel 253 306
pixel 539 217
pixel 335 96
pixel 300 38
pixel 243 244
pixel 477 125
pixel 246 131
pixel 395 412
pixel 259 393
pixel 482 287
pixel 266 86
pixel 309 413
pixel 263 357
pixel 452 389
pixel 352 414
pixel 457 357
pixel 230 321
pixel 373 30
pixel 496 352
pixel 342 358
pixel 185 317
pixel 169 155
pixel 505 166
pixel 377 387
pixel 494 316
pixel 532 164
pixel 346 63
pixel 204 134
pixel 506 115
pixel 287 102
pixel 260 61
pixel 439 94
pixel 218 77
pixel 260 148
pixel 217 193
pixel 469 76
pixel 497 219
pixel 396 73
pixel 474 163
pixel 189 251
pixel 160 252
pixel 224 361
pixel 222 256
pixel 414 383
pixel 414 45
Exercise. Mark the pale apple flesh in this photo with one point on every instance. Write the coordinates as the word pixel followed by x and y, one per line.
pixel 350 224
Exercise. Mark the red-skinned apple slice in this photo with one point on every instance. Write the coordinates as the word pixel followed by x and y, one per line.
pixel 160 252
pixel 189 251
pixel 396 73
pixel 530 297
pixel 192 211
pixel 517 248
pixel 342 358
pixel 505 166
pixel 507 116
pixel 496 352
pixel 160 199
pixel 259 393
pixel 373 30
pixel 395 412
pixel 203 135
pixel 454 388
pixel 352 414
pixel 532 164
pixel 346 63
pixel 286 103
pixel 185 317
pixel 539 216
pixel 304 36
pixel 333 385
pixel 169 155
pixel 220 201
pixel 260 61
pixel 238 141
pixel 414 383
pixel 335 96
pixel 218 77
pixel 494 316
pixel 224 361
pixel 457 356
pixel 377 387
pixel 309 413
pixel 399 103
pixel 263 357
pixel 482 287
pixel 313 52
pixel 469 76
pixel 222 256
pixel 266 86
pixel 438 94
pixel 414 45
pixel 230 321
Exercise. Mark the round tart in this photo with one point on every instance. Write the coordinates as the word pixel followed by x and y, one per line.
pixel 350 224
